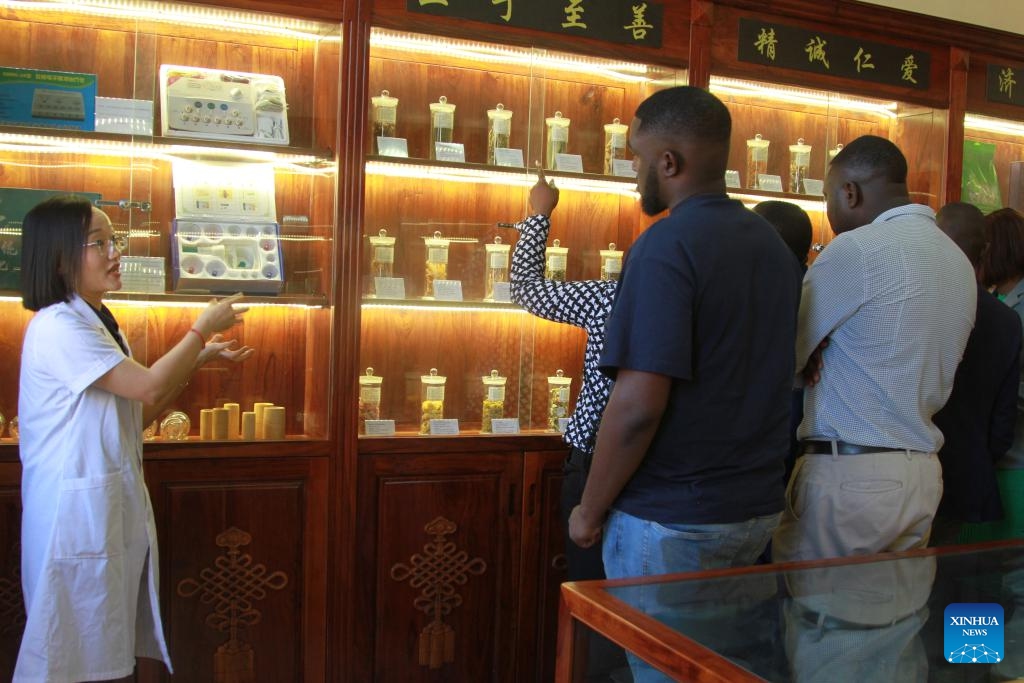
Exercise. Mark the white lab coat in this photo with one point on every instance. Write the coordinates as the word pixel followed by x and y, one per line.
pixel 89 559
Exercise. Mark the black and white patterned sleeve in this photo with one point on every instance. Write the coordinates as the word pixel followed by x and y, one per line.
pixel 583 303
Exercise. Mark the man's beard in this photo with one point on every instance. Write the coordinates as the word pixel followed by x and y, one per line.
pixel 650 202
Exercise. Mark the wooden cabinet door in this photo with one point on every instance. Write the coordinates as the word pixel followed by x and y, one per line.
pixel 543 564
pixel 242 568
pixel 12 603
pixel 438 567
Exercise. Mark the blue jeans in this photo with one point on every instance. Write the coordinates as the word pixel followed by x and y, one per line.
pixel 635 547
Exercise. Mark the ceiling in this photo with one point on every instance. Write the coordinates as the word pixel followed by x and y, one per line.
pixel 997 14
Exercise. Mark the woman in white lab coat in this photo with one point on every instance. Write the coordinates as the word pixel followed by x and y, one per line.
pixel 89 553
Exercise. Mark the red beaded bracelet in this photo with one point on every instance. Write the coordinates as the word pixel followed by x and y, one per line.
pixel 199 334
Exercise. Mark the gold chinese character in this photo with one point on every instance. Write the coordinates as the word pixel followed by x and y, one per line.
pixel 433 2
pixel 766 42
pixel 508 8
pixel 909 67
pixel 863 60
pixel 639 26
pixel 816 51
pixel 1006 82
pixel 574 15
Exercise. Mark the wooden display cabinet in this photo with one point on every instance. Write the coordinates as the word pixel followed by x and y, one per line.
pixel 488 506
pixel 785 115
pixel 465 201
pixel 242 525
pixel 460 560
pixel 826 103
pixel 132 172
pixel 992 175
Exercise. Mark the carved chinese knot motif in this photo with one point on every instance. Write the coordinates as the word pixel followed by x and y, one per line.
pixel 232 586
pixel 435 572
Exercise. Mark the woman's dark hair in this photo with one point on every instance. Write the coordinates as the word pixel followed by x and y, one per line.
pixel 52 235
pixel 792 223
pixel 1004 258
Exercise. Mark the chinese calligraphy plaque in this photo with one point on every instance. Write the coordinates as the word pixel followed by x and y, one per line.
pixel 1001 84
pixel 804 49
pixel 630 22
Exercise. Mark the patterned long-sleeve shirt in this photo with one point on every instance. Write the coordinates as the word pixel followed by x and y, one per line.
pixel 583 303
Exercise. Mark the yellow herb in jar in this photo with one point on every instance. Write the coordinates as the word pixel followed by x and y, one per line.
pixel 430 410
pixel 492 410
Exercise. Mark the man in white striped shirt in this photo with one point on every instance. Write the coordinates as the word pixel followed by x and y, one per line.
pixel 894 299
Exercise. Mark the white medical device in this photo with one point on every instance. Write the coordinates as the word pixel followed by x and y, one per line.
pixel 222 105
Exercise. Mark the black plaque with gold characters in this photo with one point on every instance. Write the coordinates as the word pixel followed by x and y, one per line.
pixel 617 21
pixel 804 49
pixel 1001 84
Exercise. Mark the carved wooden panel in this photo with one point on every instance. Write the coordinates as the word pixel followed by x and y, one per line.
pixel 12 604
pixel 438 571
pixel 544 567
pixel 243 567
pixel 447 523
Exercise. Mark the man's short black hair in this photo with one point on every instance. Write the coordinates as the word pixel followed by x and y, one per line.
pixel 688 113
pixel 965 225
pixel 52 236
pixel 869 156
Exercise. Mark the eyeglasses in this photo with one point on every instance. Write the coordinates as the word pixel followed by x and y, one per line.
pixel 118 242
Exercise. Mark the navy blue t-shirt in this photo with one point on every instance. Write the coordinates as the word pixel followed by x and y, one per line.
pixel 709 297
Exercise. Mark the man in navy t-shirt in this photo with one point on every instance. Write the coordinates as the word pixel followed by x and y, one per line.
pixel 687 472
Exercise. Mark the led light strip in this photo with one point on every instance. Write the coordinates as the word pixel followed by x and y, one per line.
pixel 805 204
pixel 732 86
pixel 488 177
pixel 990 125
pixel 137 303
pixel 305 164
pixel 446 309
pixel 629 72
pixel 245 22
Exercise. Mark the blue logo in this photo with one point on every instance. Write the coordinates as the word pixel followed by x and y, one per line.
pixel 973 633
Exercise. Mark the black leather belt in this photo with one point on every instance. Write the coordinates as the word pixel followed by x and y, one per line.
pixel 842 448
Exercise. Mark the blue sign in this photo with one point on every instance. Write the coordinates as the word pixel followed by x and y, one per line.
pixel 973 633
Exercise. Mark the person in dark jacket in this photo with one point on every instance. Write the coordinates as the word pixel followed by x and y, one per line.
pixel 977 420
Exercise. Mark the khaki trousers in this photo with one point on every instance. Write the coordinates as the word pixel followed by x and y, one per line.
pixel 842 505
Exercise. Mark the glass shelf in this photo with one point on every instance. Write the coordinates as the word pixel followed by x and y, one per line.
pixel 397 167
pixel 29 139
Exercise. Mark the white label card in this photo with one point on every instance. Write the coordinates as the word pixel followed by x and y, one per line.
pixel 129 117
pixel 389 287
pixel 732 179
pixel 771 183
pixel 450 151
pixel 392 147
pixel 448 290
pixel 503 292
pixel 623 168
pixel 815 187
pixel 563 422
pixel 444 427
pixel 569 162
pixel 380 427
pixel 508 156
pixel 505 425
